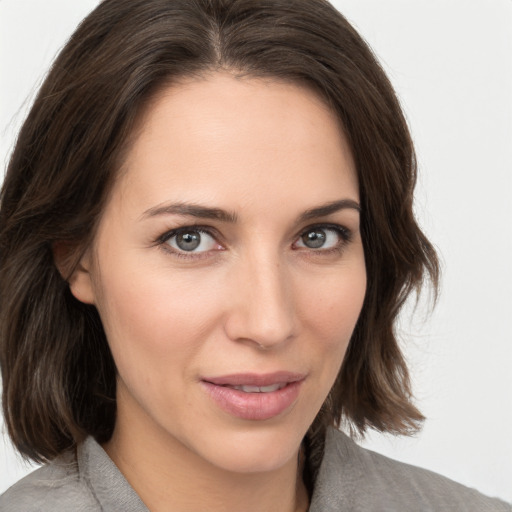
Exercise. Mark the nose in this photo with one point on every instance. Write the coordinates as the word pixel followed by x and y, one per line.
pixel 261 310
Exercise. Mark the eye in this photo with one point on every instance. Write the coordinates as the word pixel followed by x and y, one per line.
pixel 191 240
pixel 323 237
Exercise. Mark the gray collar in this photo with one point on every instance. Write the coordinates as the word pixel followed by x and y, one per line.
pixel 110 488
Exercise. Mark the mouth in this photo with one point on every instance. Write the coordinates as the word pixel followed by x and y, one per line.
pixel 259 389
pixel 254 397
pixel 256 380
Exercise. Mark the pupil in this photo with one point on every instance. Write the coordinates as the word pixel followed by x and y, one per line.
pixel 314 239
pixel 188 241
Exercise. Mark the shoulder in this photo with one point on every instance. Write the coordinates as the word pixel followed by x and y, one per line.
pixel 54 487
pixel 354 478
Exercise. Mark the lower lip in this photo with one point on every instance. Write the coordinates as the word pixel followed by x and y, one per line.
pixel 253 406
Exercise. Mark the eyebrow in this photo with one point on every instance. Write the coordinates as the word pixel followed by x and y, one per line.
pixel 191 210
pixel 205 212
pixel 329 208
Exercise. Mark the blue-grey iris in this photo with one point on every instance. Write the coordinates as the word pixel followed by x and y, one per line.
pixel 188 241
pixel 314 239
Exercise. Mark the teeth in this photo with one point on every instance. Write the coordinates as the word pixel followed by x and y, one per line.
pixel 259 389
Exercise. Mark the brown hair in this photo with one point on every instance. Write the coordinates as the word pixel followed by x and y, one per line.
pixel 57 370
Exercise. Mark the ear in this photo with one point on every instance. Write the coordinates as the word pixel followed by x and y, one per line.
pixel 77 274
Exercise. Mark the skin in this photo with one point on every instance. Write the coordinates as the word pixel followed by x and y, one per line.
pixel 252 298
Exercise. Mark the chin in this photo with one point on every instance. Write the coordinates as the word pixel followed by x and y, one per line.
pixel 234 443
pixel 253 449
pixel 255 459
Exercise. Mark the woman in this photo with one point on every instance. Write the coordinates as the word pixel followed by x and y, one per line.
pixel 206 235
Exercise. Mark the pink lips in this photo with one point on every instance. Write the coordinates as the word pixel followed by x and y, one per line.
pixel 254 396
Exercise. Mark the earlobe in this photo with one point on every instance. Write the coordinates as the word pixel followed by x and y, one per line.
pixel 77 274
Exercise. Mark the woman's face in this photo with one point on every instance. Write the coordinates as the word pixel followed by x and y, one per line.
pixel 228 270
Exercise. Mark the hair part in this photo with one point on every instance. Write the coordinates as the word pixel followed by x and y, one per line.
pixel 59 378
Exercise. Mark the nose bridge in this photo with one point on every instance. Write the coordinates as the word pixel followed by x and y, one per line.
pixel 262 310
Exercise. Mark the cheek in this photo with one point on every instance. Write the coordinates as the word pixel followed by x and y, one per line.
pixel 152 318
pixel 331 310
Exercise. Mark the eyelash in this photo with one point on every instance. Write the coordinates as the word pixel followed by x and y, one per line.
pixel 344 234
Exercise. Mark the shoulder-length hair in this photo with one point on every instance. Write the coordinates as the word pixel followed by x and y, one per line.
pixel 59 378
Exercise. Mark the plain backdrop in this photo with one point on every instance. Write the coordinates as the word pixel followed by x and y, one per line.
pixel 451 64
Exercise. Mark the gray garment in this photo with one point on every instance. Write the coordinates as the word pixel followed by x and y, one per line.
pixel 350 479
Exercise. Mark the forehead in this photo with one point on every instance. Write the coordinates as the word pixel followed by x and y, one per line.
pixel 219 138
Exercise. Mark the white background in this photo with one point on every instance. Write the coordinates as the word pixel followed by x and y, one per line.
pixel 451 63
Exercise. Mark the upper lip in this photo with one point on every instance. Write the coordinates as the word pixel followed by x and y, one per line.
pixel 255 379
